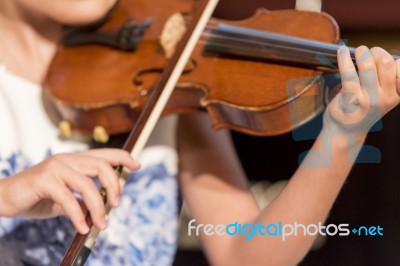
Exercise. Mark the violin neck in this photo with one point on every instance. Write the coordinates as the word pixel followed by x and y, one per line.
pixel 258 45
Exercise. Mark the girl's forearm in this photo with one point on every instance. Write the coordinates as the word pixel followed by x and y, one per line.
pixel 306 200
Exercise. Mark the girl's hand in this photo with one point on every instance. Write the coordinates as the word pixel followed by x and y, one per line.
pixel 46 189
pixel 366 96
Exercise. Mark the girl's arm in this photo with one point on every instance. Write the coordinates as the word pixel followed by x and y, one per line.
pixel 216 190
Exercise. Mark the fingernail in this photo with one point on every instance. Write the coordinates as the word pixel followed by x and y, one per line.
pixel 342 49
pixel 84 227
pixel 137 163
pixel 103 224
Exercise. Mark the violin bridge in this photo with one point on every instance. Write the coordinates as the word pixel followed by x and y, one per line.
pixel 173 30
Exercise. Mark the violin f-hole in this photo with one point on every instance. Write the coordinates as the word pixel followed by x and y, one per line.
pixel 137 78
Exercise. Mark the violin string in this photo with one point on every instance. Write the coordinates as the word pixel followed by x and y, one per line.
pixel 209 32
pixel 258 43
pixel 329 52
pixel 234 43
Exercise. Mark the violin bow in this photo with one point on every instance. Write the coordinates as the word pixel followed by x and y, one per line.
pixel 81 246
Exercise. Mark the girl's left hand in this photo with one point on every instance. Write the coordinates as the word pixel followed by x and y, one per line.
pixel 367 95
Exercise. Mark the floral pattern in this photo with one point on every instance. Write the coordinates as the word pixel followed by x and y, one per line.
pixel 142 231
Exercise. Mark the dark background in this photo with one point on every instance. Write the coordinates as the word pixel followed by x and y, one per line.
pixel 371 194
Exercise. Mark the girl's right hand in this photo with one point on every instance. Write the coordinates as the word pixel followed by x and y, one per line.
pixel 46 189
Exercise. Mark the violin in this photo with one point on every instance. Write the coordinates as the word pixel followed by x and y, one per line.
pixel 238 71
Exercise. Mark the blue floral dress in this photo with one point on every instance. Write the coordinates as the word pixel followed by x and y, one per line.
pixel 142 231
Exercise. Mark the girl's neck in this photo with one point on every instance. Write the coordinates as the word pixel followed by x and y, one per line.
pixel 28 41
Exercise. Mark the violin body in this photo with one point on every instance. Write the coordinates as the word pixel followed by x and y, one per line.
pixel 94 85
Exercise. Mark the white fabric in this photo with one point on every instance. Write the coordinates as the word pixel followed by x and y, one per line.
pixel 25 126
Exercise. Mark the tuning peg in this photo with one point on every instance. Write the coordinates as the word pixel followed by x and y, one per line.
pixel 100 134
pixel 65 129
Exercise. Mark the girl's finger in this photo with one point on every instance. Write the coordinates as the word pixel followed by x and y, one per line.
pixel 97 167
pixel 367 73
pixel 386 69
pixel 348 73
pixel 398 76
pixel 63 197
pixel 84 186
pixel 115 157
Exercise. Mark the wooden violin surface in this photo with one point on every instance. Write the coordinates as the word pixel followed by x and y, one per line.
pixel 94 84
